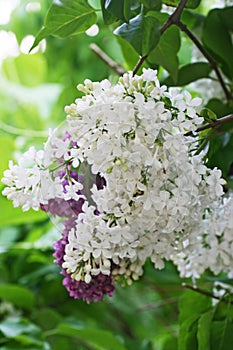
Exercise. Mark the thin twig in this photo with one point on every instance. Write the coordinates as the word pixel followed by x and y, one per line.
pixel 213 125
pixel 104 57
pixel 208 294
pixel 209 58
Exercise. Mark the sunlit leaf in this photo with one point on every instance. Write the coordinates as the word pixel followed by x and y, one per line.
pixel 28 70
pixel 66 18
pixel 15 216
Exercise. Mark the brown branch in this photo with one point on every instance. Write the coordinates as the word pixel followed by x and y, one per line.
pixel 139 64
pixel 208 294
pixel 209 58
pixel 173 18
pixel 104 57
pixel 215 124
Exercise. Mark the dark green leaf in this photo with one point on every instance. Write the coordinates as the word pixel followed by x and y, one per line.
pixel 192 4
pixel 152 4
pixel 117 8
pixel 217 39
pixel 142 32
pixel 47 318
pixel 165 54
pixel 208 115
pixel 220 145
pixel 221 335
pixel 17 295
pixel 108 17
pixel 66 18
pixel 98 339
pixel 226 15
pixel 189 73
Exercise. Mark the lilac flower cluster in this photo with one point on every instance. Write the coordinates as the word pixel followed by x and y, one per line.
pixel 124 177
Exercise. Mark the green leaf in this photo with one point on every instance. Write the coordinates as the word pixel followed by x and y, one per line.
pixel 221 337
pixel 108 17
pixel 28 70
pixel 192 4
pixel 47 318
pixel 98 339
pixel 189 73
pixel 142 32
pixel 130 55
pixel 187 300
pixel 66 18
pixel 165 54
pixel 117 8
pixel 208 115
pixel 152 4
pixel 17 295
pixel 15 326
pixel 220 145
pixel 15 216
pixel 226 15
pixel 8 145
pixel 217 40
pixel 203 330
pixel 188 317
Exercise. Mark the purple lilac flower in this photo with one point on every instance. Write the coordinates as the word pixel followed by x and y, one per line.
pixel 101 284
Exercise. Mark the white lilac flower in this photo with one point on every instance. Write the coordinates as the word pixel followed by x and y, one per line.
pixel 146 193
pixel 210 244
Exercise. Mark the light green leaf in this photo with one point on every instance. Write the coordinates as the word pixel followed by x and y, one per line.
pixel 142 32
pixel 188 73
pixel 66 18
pixel 15 216
pixel 17 295
pixel 130 55
pixel 165 54
pixel 7 144
pixel 27 70
pixel 98 339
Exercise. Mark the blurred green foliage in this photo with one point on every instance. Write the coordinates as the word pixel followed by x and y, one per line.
pixel 155 313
